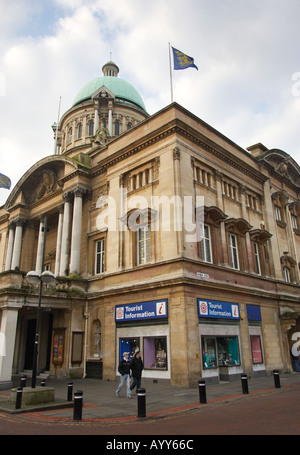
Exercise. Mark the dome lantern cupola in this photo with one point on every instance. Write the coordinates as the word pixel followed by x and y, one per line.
pixel 110 69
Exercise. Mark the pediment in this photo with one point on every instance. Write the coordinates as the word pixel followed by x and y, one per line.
pixel 283 164
pixel 40 181
pixel 103 94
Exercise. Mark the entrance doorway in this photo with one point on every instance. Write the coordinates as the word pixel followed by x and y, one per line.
pixel 30 338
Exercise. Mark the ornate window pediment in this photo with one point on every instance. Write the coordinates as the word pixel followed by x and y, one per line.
pixel 237 226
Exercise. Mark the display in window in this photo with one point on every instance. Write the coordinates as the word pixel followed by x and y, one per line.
pixel 220 351
pixel 129 345
pixel 209 352
pixel 155 353
pixel 256 349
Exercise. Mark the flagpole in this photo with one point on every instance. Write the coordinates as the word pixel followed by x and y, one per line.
pixel 171 83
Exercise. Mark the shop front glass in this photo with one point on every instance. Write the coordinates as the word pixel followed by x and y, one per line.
pixel 256 349
pixel 129 345
pixel 155 353
pixel 220 351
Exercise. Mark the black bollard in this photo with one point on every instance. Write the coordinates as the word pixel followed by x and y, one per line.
pixel 244 383
pixel 202 391
pixel 276 379
pixel 43 382
pixel 19 397
pixel 23 381
pixel 141 396
pixel 77 413
pixel 70 391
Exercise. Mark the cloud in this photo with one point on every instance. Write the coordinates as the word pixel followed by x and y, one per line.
pixel 246 53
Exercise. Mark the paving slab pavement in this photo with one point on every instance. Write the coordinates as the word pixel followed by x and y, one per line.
pixel 100 401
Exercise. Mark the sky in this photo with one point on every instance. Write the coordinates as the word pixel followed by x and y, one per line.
pixel 247 52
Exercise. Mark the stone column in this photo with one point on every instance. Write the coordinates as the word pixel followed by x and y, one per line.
pixel 76 231
pixel 7 340
pixel 11 237
pixel 59 240
pixel 110 118
pixel 65 243
pixel 96 122
pixel 39 254
pixel 16 256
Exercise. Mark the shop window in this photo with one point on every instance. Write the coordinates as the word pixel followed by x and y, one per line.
pixel 220 351
pixel 99 259
pixel 209 352
pixel 256 349
pixel 155 353
pixel 129 345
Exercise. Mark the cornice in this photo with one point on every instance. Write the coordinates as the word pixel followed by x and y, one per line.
pixel 176 126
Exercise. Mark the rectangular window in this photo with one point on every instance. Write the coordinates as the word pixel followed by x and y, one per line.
pixel 233 251
pixel 99 259
pixel 155 353
pixel 257 262
pixel 206 244
pixel 143 245
pixel 228 352
pixel 220 351
pixel 286 275
pixel 294 222
pixel 209 351
pixel 277 213
pixel 256 349
pixel 79 131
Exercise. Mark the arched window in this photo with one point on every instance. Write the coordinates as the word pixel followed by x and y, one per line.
pixel 129 125
pixel 117 128
pixel 288 265
pixel 91 128
pixel 79 131
pixel 70 135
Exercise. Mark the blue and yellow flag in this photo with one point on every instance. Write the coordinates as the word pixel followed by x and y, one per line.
pixel 182 61
pixel 4 182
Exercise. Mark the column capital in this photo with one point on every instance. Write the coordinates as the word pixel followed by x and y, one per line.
pixel 79 191
pixel 68 196
pixel 20 221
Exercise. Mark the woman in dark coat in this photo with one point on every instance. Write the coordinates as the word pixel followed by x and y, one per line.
pixel 136 366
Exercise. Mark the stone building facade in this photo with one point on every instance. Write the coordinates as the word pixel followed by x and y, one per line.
pixel 163 234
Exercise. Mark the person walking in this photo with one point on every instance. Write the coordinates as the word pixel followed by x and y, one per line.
pixel 124 370
pixel 136 366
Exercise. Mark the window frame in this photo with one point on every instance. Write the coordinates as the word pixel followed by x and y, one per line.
pixel 144 243
pixel 100 254
pixel 205 244
pixel 235 264
pixel 257 258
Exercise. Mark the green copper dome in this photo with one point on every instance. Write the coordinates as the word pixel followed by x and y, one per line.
pixel 123 91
